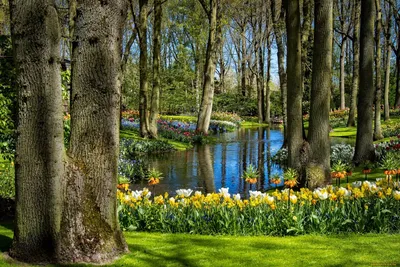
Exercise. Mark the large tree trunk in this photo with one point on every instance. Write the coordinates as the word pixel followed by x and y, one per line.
pixel 39 148
pixel 89 228
pixel 378 93
pixel 143 98
pixel 203 120
pixel 294 84
pixel 364 142
pixel 318 135
pixel 356 64
pixel 278 15
pixel 155 98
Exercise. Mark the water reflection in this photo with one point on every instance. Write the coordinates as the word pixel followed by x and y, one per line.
pixel 209 167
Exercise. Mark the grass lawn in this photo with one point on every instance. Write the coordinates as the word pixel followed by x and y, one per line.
pixel 149 249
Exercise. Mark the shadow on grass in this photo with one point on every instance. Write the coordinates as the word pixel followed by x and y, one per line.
pixel 5 242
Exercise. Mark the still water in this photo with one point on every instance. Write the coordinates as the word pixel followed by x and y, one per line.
pixel 209 167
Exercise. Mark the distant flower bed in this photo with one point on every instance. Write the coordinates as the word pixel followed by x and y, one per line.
pixel 361 207
pixel 227 116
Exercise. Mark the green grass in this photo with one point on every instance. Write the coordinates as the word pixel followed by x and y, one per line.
pixel 135 135
pixel 248 124
pixel 149 249
pixel 183 118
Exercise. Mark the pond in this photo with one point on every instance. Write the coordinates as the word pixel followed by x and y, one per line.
pixel 209 167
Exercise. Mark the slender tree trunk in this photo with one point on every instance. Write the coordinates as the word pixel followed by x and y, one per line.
pixel 89 227
pixel 364 142
pixel 278 15
pixel 306 46
pixel 155 99
pixel 342 74
pixel 243 62
pixel 318 134
pixel 378 93
pixel 143 98
pixel 203 120
pixel 267 118
pixel 397 99
pixel 39 147
pixel 387 69
pixel 294 84
pixel 387 84
pixel 260 84
pixel 356 64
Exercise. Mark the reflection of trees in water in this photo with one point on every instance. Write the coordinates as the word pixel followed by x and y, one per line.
pixel 223 164
pixel 260 158
pixel 206 169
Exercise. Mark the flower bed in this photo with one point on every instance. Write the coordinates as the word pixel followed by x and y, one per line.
pixel 361 207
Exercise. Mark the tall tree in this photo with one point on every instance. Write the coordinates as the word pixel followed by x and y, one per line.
pixel 66 205
pixel 294 84
pixel 89 227
pixel 378 80
pixel 278 16
pixel 155 98
pixel 39 148
pixel 203 120
pixel 364 141
pixel 143 98
pixel 320 87
pixel 356 63
pixel 388 49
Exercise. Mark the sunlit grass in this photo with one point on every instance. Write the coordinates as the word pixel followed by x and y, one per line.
pixel 149 249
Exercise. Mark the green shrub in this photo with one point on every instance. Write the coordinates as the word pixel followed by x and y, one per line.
pixel 7 182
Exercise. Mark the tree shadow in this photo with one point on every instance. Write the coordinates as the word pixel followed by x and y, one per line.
pixel 5 242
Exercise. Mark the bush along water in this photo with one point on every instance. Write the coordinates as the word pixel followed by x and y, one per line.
pixel 132 162
pixel 361 207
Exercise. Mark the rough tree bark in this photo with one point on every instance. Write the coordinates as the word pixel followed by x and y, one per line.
pixel 320 90
pixel 203 120
pixel 378 72
pixel 155 98
pixel 294 84
pixel 39 148
pixel 89 227
pixel 356 63
pixel 364 141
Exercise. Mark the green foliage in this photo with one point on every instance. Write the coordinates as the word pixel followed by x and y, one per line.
pixel 123 180
pixel 250 172
pixel 391 161
pixel 7 182
pixel 131 148
pixel 8 99
pixel 242 105
pixel 342 153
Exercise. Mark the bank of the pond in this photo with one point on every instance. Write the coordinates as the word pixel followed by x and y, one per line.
pixel 131 134
pixel 152 249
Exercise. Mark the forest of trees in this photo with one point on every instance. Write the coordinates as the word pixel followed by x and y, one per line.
pixel 91 58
